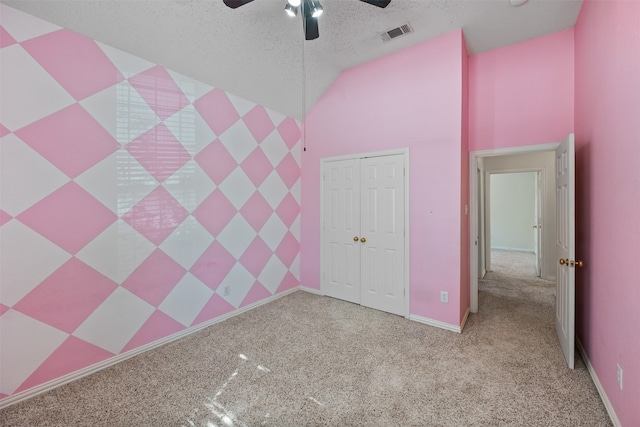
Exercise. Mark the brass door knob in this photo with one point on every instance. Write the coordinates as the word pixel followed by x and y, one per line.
pixel 579 264
pixel 355 239
pixel 563 262
pixel 363 240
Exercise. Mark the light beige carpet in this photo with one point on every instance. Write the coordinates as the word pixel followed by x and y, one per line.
pixel 306 360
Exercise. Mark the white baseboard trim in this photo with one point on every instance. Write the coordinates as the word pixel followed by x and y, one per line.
pixel 505 248
pixel 436 323
pixel 311 290
pixel 76 375
pixel 596 381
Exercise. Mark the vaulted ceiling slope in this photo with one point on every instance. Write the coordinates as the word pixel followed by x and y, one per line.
pixel 259 53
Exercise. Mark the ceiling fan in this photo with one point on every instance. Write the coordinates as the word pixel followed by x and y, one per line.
pixel 311 9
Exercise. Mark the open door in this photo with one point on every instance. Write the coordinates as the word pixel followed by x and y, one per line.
pixel 565 247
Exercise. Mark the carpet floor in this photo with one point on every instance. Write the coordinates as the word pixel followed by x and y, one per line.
pixel 307 360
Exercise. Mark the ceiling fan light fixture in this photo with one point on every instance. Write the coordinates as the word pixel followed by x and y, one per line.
pixel 294 3
pixel 316 8
pixel 291 10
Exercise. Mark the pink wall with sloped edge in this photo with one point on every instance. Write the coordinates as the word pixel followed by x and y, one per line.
pixel 607 123
pixel 412 98
pixel 522 94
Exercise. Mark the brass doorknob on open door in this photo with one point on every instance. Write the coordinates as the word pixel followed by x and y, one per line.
pixel 355 239
pixel 577 263
pixel 563 261
pixel 363 240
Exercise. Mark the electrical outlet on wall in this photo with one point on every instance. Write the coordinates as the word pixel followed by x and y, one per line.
pixel 619 375
pixel 444 296
pixel 226 291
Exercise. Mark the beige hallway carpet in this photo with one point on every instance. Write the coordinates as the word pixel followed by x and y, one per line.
pixel 306 360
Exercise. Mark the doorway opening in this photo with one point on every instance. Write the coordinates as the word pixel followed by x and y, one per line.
pixel 514 215
pixel 561 175
pixel 536 159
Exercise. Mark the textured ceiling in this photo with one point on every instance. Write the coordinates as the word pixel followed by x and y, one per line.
pixel 259 53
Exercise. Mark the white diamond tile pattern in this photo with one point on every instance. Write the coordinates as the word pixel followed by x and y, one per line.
pixel 273 189
pixel 239 281
pixel 115 321
pixel 238 141
pixel 124 191
pixel 272 274
pixel 192 89
pixel 191 130
pixel 24 183
pixel 133 182
pixel 129 65
pixel 24 344
pixel 186 300
pixel 190 185
pixel 295 228
pixel 296 191
pixel 22 101
pixel 27 260
pixel 117 251
pixel 101 182
pixel 23 26
pixel 273 231
pixel 237 236
pixel 123 123
pixel 187 243
pixel 297 153
pixel 276 117
pixel 274 148
pixel 241 105
pixel 295 267
pixel 238 188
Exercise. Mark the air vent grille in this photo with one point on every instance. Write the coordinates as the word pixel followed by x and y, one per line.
pixel 396 32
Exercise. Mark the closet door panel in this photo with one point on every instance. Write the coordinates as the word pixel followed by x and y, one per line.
pixel 341 225
pixel 383 204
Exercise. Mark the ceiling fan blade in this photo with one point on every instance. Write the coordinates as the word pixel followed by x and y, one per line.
pixel 379 3
pixel 234 4
pixel 311 31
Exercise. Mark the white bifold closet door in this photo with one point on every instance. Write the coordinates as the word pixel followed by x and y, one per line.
pixel 363 221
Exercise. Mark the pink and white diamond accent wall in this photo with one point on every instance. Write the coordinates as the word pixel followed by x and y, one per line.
pixel 131 197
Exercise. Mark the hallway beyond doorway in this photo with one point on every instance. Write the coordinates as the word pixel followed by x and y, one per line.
pixel 513 263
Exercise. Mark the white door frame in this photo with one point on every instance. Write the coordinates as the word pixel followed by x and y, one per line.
pixel 405 153
pixel 473 202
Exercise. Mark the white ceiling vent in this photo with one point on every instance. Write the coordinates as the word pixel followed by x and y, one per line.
pixel 396 32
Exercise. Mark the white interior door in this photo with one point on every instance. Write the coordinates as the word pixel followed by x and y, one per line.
pixel 341 228
pixel 382 233
pixel 565 223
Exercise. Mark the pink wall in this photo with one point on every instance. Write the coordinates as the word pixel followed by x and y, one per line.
pixel 522 94
pixel 412 98
pixel 465 291
pixel 607 100
pixel 131 197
